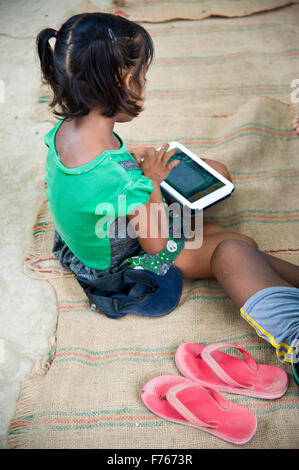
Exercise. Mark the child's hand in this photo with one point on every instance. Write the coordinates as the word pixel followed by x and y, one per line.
pixel 154 163
pixel 219 167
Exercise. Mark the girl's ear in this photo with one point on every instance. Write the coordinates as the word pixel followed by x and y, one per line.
pixel 128 80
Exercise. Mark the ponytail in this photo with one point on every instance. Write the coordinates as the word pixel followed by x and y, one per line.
pixel 46 56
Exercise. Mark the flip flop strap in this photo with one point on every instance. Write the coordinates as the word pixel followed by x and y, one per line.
pixel 177 404
pixel 213 364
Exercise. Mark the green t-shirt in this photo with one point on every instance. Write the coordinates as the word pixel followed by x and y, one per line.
pixel 85 200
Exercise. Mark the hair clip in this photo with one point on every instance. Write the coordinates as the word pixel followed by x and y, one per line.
pixel 112 35
pixel 55 34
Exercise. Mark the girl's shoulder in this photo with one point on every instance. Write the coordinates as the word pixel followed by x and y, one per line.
pixel 84 154
pixel 77 147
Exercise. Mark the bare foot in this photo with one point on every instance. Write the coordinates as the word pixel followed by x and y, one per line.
pixel 296 124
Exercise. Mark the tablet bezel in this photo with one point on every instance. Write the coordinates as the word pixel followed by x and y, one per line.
pixel 207 200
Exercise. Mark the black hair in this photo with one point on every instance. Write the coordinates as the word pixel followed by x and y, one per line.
pixel 85 69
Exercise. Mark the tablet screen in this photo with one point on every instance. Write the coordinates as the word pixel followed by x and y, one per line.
pixel 190 179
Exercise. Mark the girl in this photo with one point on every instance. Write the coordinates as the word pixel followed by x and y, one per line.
pixel 97 72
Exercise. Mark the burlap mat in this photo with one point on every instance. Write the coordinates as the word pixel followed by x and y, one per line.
pixel 86 392
pixel 157 11
pixel 210 68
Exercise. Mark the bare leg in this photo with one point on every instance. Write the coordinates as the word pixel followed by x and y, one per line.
pixel 196 263
pixel 242 270
pixel 288 271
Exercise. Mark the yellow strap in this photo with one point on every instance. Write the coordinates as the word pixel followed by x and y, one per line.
pixel 256 326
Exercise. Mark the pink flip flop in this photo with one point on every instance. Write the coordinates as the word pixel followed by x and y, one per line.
pixel 182 401
pixel 228 373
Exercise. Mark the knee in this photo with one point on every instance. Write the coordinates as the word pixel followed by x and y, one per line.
pixel 228 255
pixel 220 255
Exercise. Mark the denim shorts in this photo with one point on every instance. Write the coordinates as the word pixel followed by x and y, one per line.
pixel 274 314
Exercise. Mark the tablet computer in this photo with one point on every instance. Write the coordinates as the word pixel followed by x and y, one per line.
pixel 194 183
